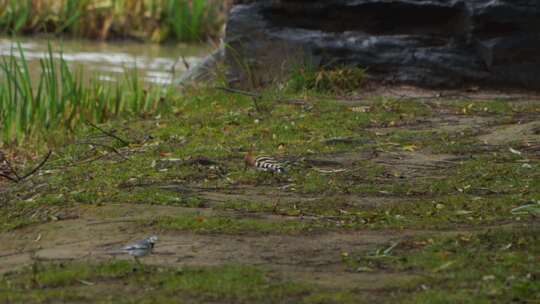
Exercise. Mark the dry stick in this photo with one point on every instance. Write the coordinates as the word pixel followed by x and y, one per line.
pixel 173 67
pixel 411 164
pixel 104 146
pixel 88 160
pixel 9 178
pixel 125 143
pixel 111 222
pixel 257 97
pixel 36 169
pixel 15 253
pixel 241 92
pixel 17 177
pixel 185 63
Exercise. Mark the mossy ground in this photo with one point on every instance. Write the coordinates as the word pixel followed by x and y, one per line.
pixel 492 266
pixel 429 176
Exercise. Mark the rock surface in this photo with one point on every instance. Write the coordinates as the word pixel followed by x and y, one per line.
pixel 205 70
pixel 434 43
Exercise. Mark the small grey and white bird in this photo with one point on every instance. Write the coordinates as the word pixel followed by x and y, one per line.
pixel 141 248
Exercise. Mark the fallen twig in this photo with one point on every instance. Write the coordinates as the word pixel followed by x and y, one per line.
pixel 18 178
pixel 124 142
pixel 11 179
pixel 532 209
pixel 16 253
pixel 254 96
pixel 329 171
pixel 240 92
pixel 12 169
pixel 6 169
pixel 104 146
pixel 112 222
pixel 87 283
pixel 36 169
pixel 185 63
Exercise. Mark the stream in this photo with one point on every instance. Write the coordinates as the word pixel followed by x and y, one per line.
pixel 155 64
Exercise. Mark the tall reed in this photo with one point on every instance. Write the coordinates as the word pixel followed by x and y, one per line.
pixel 156 20
pixel 62 99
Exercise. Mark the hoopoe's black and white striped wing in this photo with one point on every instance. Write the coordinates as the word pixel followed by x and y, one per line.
pixel 269 164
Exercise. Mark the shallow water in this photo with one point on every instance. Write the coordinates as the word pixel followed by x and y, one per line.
pixel 156 64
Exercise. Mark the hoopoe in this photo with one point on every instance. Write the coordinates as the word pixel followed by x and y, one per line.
pixel 264 163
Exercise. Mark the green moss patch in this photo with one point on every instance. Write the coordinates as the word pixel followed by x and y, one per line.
pixel 228 225
pixel 498 266
pixel 85 283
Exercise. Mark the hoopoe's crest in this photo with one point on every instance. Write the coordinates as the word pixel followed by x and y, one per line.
pixel 264 163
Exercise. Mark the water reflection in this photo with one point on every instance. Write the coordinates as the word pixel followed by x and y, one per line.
pixel 157 64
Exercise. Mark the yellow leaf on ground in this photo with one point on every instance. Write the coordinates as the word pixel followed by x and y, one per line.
pixel 410 148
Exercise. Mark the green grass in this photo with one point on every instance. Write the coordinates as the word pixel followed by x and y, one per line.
pixel 498 266
pixel 203 122
pixel 477 192
pixel 188 20
pixel 62 100
pixel 152 20
pixel 92 282
pixel 327 80
pixel 43 283
pixel 227 225
pixel 474 189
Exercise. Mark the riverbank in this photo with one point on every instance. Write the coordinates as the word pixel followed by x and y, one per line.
pixel 51 88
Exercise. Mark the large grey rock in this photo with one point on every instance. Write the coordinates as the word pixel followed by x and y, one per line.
pixel 447 43
pixel 204 71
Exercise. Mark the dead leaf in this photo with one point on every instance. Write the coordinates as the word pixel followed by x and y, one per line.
pixel 362 109
pixel 410 148
pixel 514 151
